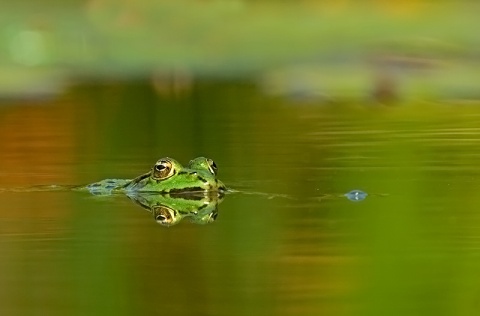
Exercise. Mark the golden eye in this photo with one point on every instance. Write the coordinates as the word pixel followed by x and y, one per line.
pixel 162 170
pixel 212 166
pixel 164 215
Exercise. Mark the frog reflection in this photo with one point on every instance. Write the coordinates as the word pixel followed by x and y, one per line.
pixel 169 210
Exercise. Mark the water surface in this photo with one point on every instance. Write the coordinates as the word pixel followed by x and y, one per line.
pixel 291 244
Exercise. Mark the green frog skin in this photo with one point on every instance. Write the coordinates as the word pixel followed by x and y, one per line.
pixel 202 163
pixel 166 176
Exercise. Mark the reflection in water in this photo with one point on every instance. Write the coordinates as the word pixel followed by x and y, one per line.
pixel 268 256
pixel 169 209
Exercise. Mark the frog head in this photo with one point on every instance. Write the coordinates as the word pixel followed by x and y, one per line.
pixel 169 176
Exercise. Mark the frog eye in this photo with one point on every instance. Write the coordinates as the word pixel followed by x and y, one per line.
pixel 212 166
pixel 165 216
pixel 163 169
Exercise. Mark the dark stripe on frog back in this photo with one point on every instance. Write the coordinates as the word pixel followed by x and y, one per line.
pixel 196 191
pixel 204 180
pixel 193 173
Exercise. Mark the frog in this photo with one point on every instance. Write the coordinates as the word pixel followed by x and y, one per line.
pixel 169 210
pixel 167 176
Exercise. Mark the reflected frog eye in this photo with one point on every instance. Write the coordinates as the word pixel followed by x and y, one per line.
pixel 165 216
pixel 213 216
pixel 212 166
pixel 163 169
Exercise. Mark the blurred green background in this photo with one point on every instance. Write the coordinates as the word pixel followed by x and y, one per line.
pixel 297 102
pixel 339 49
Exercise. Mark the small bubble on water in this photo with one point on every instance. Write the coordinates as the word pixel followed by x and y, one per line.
pixel 356 195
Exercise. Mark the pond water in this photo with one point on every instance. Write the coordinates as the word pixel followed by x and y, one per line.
pixel 290 243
